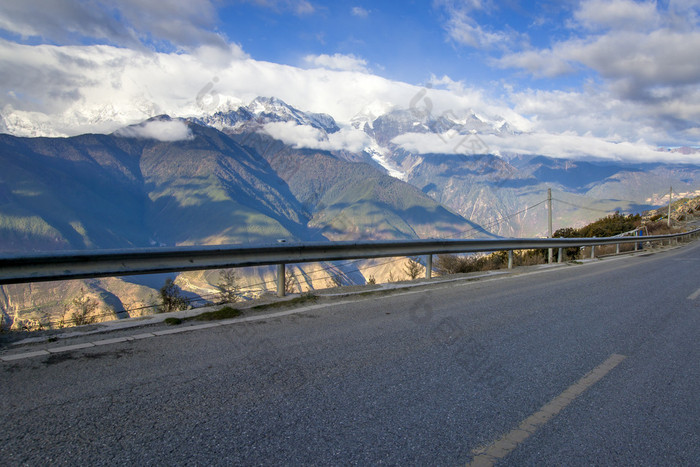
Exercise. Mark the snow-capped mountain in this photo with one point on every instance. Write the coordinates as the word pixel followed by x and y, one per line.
pixel 471 180
pixel 483 187
pixel 263 110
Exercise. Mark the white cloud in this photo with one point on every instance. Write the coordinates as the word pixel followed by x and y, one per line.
pixel 179 23
pixel 617 14
pixel 337 61
pixel 359 11
pixel 645 64
pixel 298 7
pixel 540 63
pixel 304 136
pixel 68 90
pixel 640 53
pixel 462 28
pixel 567 145
pixel 161 130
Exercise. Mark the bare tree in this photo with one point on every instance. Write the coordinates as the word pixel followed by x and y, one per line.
pixel 289 281
pixel 413 268
pixel 228 286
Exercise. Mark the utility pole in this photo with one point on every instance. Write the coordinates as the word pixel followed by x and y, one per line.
pixel 550 257
pixel 670 200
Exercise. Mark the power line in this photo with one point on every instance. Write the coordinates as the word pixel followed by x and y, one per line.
pixel 582 207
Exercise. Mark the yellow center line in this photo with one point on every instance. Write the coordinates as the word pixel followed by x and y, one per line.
pixel 694 295
pixel 507 443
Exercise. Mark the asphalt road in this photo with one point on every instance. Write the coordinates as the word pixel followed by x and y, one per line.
pixel 430 377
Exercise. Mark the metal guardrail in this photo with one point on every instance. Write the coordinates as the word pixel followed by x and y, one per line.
pixel 65 265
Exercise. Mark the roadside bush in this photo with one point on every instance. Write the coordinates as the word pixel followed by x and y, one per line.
pixel 228 286
pixel 569 253
pixel 454 264
pixel 171 298
pixel 289 282
pixel 660 228
pixel 530 257
pixel 81 310
pixel 413 268
pixel 611 225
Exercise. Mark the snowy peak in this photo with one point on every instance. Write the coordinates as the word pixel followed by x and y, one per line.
pixel 263 110
pixel 399 122
pixel 273 109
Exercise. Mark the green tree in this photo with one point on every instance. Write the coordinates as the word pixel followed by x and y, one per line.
pixel 171 298
pixel 568 232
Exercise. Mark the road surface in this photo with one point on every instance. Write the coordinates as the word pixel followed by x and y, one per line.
pixel 585 364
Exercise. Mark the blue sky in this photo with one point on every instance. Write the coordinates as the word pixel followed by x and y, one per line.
pixel 608 78
pixel 408 44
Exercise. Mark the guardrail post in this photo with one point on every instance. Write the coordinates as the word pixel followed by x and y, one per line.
pixel 280 280
pixel 428 266
pixel 560 255
pixel 617 248
pixel 592 251
pixel 510 259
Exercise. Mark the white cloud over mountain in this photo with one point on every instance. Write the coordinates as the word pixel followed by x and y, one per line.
pixel 643 89
pixel 101 88
pixel 337 62
pixel 161 130
pixel 304 136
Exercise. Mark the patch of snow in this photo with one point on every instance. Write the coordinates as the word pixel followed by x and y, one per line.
pixel 380 158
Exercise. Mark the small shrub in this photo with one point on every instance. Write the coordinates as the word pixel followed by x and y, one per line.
pixel 453 264
pixel 531 257
pixel 413 268
pixel 171 298
pixel 569 253
pixel 172 321
pixel 228 286
pixel 371 280
pixel 289 282
pixel 80 311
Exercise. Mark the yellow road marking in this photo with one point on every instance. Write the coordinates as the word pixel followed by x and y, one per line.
pixel 694 295
pixel 508 442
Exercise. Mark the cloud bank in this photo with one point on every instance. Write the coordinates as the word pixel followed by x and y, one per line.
pixel 147 59
pixel 161 130
pixel 303 136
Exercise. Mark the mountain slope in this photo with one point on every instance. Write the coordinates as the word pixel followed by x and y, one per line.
pixel 352 200
pixel 110 191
